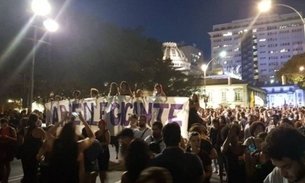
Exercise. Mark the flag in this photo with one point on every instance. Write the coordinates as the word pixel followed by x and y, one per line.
pixel 252 100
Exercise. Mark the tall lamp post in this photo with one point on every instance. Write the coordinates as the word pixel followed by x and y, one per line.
pixel 204 68
pixel 265 6
pixel 39 8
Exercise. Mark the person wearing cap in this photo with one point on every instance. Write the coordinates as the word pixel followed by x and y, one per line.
pixel 104 137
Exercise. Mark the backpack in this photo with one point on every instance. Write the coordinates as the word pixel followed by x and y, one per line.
pixel 154 146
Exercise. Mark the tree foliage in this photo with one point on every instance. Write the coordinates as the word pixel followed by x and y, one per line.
pixel 291 70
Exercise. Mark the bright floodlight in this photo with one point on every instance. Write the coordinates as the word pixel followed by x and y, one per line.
pixel 264 5
pixel 302 68
pixel 41 7
pixel 223 54
pixel 50 25
pixel 204 67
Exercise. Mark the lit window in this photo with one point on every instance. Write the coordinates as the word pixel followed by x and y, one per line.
pixel 228 34
pixel 261 40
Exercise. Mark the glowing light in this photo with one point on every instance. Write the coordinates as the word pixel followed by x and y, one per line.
pixel 302 68
pixel 41 7
pixel 264 6
pixel 204 67
pixel 50 25
pixel 223 54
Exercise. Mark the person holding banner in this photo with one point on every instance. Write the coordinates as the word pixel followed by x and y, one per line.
pixel 113 90
pixel 125 89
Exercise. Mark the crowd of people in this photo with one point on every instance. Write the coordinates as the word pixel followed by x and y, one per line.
pixel 241 145
pixel 122 89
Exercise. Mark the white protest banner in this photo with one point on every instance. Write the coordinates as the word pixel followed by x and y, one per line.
pixel 115 110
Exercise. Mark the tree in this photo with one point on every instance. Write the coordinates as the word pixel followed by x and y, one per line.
pixel 292 70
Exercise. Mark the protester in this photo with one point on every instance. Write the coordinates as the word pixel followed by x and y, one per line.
pixel 67 161
pixel 194 147
pixel 194 108
pixel 103 136
pixel 286 148
pixel 125 136
pixel 143 131
pixel 158 91
pixel 91 155
pixel 234 153
pixel 113 89
pixel 8 144
pixel 137 159
pixel 125 89
pixel 32 138
pixel 183 167
pixel 133 121
pixel 155 140
pixel 94 93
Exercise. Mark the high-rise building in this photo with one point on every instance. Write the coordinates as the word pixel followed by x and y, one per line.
pixel 258 47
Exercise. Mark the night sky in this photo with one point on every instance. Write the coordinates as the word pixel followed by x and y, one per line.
pixel 187 21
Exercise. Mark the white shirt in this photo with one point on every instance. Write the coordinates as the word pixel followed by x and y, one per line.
pixel 142 134
pixel 275 177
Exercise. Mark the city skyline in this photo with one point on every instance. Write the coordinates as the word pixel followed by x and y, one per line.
pixel 183 22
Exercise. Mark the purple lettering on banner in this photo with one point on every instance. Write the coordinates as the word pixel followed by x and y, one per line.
pixel 161 107
pixel 55 115
pixel 144 112
pixel 91 111
pixel 114 120
pixel 124 110
pixel 74 107
pixel 171 117
pixel 135 108
pixel 103 106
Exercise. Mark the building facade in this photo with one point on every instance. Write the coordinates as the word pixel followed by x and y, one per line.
pixel 258 47
pixel 284 95
pixel 231 92
pixel 172 52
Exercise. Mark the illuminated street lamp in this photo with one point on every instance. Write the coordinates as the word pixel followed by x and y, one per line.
pixel 266 5
pixel 42 8
pixel 204 68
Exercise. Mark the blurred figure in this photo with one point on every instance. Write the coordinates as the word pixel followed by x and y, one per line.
pixel 8 143
pixel 125 89
pixel 143 131
pixel 133 121
pixel 32 139
pixel 76 94
pixel 155 141
pixel 136 160
pixel 183 167
pixel 125 137
pixel 158 91
pixel 139 93
pixel 113 89
pixel 67 160
pixel 155 175
pixel 91 155
pixel 94 93
pixel 103 136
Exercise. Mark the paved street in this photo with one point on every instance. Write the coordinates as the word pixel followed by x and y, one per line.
pixel 114 176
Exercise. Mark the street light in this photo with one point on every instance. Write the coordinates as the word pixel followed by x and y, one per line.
pixel 42 8
pixel 265 6
pixel 204 68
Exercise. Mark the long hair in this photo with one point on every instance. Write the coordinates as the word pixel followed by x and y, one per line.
pixel 136 159
pixel 128 89
pixel 113 85
pixel 67 134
